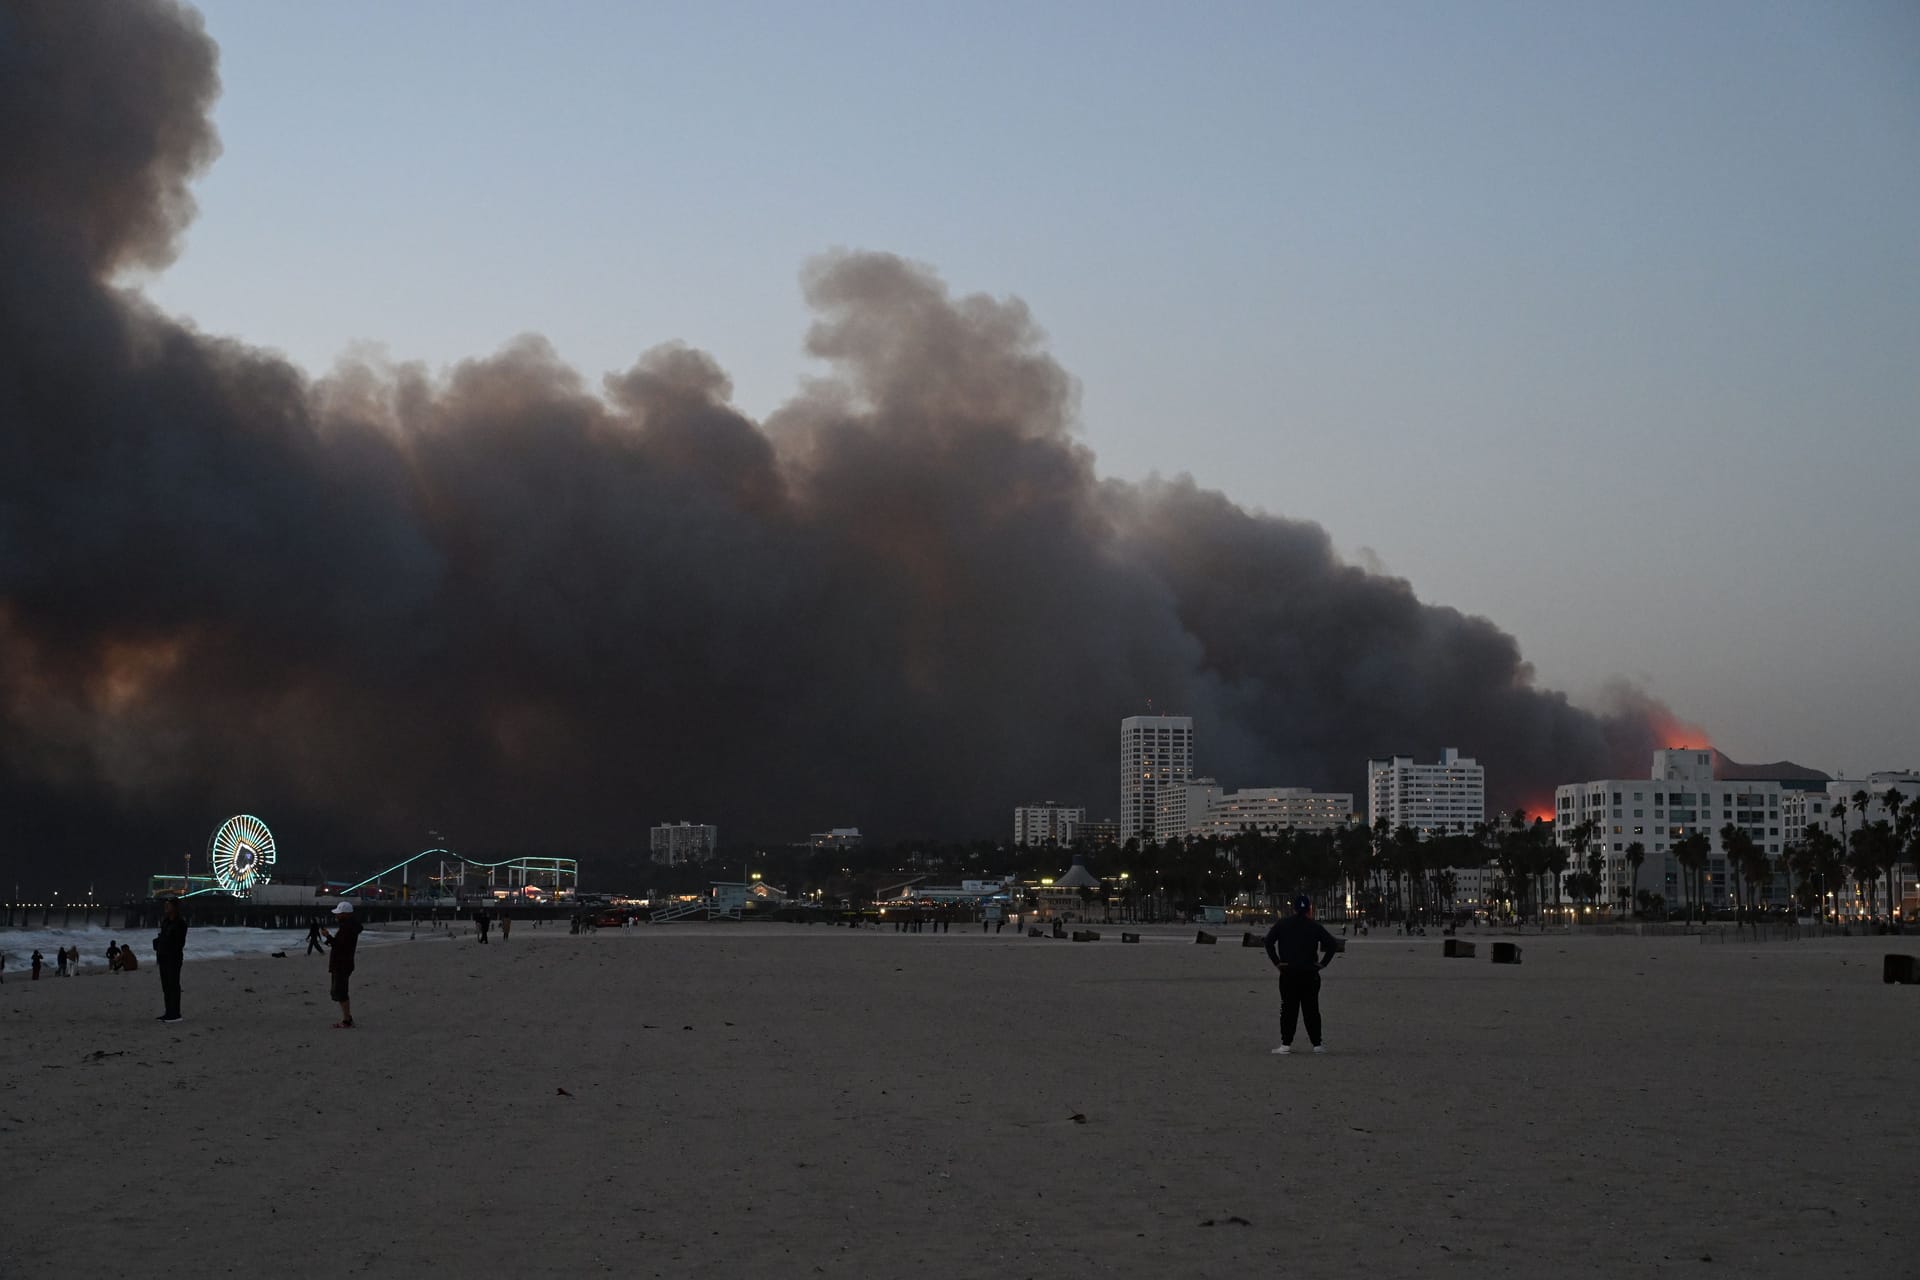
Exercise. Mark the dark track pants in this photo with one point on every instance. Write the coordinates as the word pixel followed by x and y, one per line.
pixel 170 986
pixel 1299 997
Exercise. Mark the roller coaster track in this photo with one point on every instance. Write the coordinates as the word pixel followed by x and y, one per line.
pixel 557 865
pixel 566 866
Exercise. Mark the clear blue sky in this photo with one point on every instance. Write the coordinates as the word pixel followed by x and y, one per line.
pixel 1601 320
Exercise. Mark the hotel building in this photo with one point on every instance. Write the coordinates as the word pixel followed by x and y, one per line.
pixel 1155 752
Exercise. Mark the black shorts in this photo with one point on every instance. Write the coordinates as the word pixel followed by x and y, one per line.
pixel 339 986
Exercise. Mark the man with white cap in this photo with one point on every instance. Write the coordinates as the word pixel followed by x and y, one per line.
pixel 346 934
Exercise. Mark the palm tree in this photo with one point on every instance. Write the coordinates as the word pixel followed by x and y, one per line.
pixel 1840 812
pixel 1749 862
pixel 1861 800
pixel 1636 855
pixel 1867 851
pixel 1907 834
pixel 1691 852
pixel 1581 838
pixel 1898 819
pixel 1825 855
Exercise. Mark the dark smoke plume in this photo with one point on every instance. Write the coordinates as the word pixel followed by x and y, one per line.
pixel 542 615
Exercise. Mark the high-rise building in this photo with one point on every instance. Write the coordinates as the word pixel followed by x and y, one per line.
pixel 1155 752
pixel 678 842
pixel 1046 823
pixel 1447 798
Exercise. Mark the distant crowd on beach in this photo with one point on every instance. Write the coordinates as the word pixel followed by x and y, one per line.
pixel 66 962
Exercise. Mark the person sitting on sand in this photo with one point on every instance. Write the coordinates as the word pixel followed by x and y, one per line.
pixel 113 957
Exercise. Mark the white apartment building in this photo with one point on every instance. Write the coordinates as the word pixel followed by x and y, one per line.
pixel 1681 797
pixel 1155 752
pixel 1434 799
pixel 679 842
pixel 1182 807
pixel 1270 809
pixel 1046 823
pixel 1815 808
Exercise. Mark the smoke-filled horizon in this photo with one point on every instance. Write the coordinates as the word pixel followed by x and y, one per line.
pixel 540 612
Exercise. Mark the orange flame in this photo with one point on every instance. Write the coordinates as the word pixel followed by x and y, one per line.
pixel 1673 733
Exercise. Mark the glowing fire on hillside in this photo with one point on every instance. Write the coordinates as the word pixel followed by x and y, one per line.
pixel 1673 733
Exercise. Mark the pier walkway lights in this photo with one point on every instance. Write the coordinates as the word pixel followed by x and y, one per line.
pixel 241 855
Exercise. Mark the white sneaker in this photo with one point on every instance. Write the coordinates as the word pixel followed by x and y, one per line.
pixel 1319 1048
pixel 1284 1049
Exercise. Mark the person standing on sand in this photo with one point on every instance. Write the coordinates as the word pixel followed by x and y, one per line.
pixel 1300 947
pixel 481 919
pixel 169 949
pixel 314 937
pixel 37 961
pixel 506 925
pixel 346 937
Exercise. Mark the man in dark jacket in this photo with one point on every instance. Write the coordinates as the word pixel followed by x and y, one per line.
pixel 1300 948
pixel 169 949
pixel 346 938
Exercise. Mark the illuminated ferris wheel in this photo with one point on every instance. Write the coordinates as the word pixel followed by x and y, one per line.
pixel 241 854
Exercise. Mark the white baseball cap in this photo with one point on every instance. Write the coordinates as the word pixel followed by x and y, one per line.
pixel 344 909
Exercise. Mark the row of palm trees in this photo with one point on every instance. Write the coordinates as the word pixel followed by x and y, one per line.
pixel 1872 854
pixel 1392 873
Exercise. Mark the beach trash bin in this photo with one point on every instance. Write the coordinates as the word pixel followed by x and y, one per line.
pixel 1204 938
pixel 1035 931
pixel 1459 950
pixel 1059 930
pixel 1086 935
pixel 1506 953
pixel 1902 969
pixel 1250 940
pixel 1129 937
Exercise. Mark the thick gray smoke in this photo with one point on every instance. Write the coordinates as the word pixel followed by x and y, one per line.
pixel 541 614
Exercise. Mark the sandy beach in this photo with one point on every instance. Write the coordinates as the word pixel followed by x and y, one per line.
pixel 712 1100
